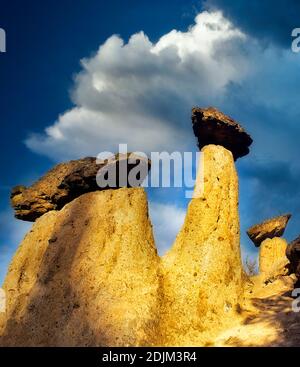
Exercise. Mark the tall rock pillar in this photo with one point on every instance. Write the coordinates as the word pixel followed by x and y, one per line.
pixel 203 275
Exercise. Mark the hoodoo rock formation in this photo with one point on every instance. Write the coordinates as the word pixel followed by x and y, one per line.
pixel 86 275
pixel 270 228
pixel 203 282
pixel 67 181
pixel 204 278
pixel 272 252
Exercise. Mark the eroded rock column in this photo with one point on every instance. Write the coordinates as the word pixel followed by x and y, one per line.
pixel 86 275
pixel 272 255
pixel 272 248
pixel 203 276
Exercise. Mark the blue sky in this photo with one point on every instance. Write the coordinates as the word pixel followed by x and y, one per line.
pixel 232 54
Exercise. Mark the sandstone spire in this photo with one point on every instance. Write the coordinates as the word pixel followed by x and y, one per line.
pixel 203 275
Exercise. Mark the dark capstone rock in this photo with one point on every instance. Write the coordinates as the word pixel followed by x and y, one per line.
pixel 270 228
pixel 293 254
pixel 67 181
pixel 213 127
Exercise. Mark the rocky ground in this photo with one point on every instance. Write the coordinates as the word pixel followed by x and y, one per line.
pixel 267 320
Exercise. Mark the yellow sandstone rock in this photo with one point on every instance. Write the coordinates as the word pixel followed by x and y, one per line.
pixel 89 274
pixel 203 276
pixel 272 256
pixel 86 275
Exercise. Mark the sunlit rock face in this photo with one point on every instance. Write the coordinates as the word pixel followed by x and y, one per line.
pixel 86 275
pixel 203 276
pixel 89 274
pixel 272 256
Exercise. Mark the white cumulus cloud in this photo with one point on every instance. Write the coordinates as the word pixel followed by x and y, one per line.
pixel 141 93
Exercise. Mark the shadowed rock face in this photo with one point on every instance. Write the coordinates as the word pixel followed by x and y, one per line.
pixel 213 127
pixel 270 228
pixel 293 254
pixel 67 181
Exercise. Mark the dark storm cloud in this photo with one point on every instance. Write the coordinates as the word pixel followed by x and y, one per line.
pixel 267 107
pixel 273 182
pixel 267 20
pixel 271 189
